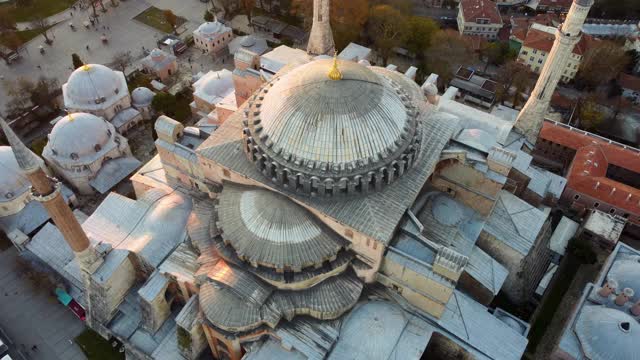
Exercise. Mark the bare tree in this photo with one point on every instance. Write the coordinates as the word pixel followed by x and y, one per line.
pixel 43 25
pixel 390 29
pixel 512 75
pixel 595 71
pixel 171 18
pixel 449 51
pixel 122 60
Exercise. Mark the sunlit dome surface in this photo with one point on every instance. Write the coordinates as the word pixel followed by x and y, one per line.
pixel 92 86
pixel 308 123
pixel 79 136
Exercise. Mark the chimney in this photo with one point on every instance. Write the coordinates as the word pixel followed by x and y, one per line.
pixel 624 296
pixel 635 309
pixel 608 288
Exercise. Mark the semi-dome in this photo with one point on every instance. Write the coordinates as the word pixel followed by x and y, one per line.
pixel 606 333
pixel 313 125
pixel 93 84
pixel 142 96
pixel 268 229
pixel 12 182
pixel 78 136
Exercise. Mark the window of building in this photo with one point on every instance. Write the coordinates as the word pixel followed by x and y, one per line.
pixel 531 58
pixel 596 205
pixel 525 52
pixel 612 211
pixel 576 197
pixel 540 61
pixel 537 68
pixel 535 51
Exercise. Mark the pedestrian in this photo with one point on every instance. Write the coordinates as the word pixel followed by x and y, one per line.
pixel 71 12
pixel 39 67
pixel 87 47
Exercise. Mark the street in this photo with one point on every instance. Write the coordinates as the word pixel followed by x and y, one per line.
pixel 124 34
pixel 37 326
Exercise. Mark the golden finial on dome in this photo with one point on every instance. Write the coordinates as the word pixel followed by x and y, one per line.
pixel 334 73
pixel 86 67
pixel 70 116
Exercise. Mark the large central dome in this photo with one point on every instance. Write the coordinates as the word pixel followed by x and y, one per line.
pixel 322 136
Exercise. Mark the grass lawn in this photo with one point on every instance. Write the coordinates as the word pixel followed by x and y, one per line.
pixel 97 348
pixel 24 36
pixel 37 9
pixel 154 17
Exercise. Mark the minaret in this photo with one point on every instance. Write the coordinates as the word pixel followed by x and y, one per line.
pixel 531 117
pixel 48 191
pixel 321 38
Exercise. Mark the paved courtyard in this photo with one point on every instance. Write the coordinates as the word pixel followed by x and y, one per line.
pixel 124 34
pixel 30 317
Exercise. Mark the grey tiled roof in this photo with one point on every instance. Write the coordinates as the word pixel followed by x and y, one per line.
pixel 267 229
pixel 112 172
pixel 151 227
pixel 515 222
pixel 375 215
pixel 486 270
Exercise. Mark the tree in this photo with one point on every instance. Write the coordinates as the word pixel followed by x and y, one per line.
pixel 12 40
pixel 512 75
pixel 420 35
pixel 77 62
pixel 122 60
pixel 208 16
pixel 25 93
pixel 43 25
pixel 589 112
pixel 449 51
pixel 595 71
pixel 7 21
pixel 171 19
pixel 389 28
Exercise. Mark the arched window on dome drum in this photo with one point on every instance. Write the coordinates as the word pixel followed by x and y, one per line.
pixel 74 156
pixel 117 140
pixel 97 148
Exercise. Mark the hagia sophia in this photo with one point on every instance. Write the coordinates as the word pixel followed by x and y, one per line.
pixel 341 212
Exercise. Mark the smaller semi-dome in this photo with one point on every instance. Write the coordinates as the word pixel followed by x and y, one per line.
pixel 12 182
pixel 93 84
pixel 606 333
pixel 157 54
pixel 268 229
pixel 80 135
pixel 142 96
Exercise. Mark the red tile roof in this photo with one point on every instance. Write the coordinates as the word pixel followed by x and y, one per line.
pixel 555 3
pixel 588 170
pixel 630 82
pixel 483 9
pixel 543 41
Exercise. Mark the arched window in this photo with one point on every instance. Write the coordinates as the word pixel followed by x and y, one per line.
pixel 97 147
pixel 74 156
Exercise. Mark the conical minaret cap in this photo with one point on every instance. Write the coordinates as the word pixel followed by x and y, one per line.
pixel 26 159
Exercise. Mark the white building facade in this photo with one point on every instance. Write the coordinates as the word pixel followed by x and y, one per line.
pixel 212 37
pixel 479 17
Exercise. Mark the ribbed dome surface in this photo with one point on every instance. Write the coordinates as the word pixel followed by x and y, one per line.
pixel 91 83
pixel 608 334
pixel 79 134
pixel 270 230
pixel 12 182
pixel 314 118
pixel 212 27
pixel 313 125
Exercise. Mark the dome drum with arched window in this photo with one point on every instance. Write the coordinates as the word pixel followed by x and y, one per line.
pixel 320 135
